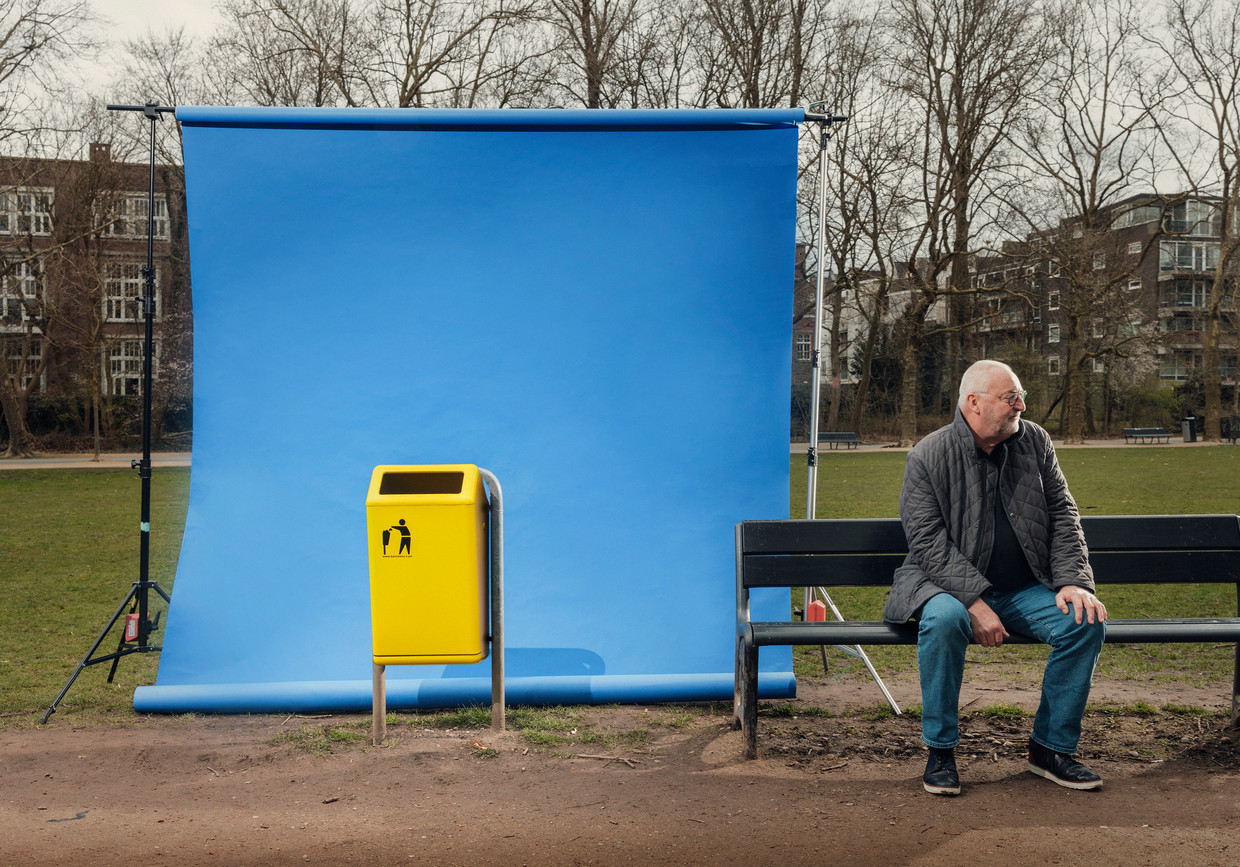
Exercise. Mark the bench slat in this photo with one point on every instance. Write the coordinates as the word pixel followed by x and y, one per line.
pixel 886 535
pixel 816 570
pixel 868 535
pixel 876 570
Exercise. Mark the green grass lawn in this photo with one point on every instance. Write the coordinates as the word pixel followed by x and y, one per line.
pixel 1126 480
pixel 69 554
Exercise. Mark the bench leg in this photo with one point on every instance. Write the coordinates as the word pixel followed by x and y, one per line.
pixel 746 700
pixel 1235 690
pixel 737 679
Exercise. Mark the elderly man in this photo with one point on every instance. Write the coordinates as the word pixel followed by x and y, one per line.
pixel 996 548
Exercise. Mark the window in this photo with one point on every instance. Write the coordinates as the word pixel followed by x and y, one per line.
pixel 1183 322
pixel 1184 293
pixel 1227 368
pixel 1188 256
pixel 25 368
pixel 1174 368
pixel 1052 365
pixel 1135 284
pixel 125 366
pixel 1134 248
pixel 1100 261
pixel 1138 216
pixel 804 346
pixel 122 286
pixel 1052 334
pixel 1052 301
pixel 126 217
pixel 26 211
pixel 1100 366
pixel 19 294
pixel 1193 217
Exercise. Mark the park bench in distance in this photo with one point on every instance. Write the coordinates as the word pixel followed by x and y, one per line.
pixel 1153 549
pixel 1146 434
pixel 848 439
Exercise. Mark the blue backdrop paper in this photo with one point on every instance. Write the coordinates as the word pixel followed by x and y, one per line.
pixel 594 306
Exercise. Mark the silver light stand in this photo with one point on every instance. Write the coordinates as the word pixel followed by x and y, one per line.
pixel 818 113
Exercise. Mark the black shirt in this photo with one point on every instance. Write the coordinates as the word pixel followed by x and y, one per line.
pixel 1008 570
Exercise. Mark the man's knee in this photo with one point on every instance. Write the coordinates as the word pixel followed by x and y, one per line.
pixel 944 618
pixel 1083 635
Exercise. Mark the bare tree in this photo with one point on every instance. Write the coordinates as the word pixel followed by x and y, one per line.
pixel 756 53
pixel 864 187
pixel 389 53
pixel 1202 51
pixel 1087 143
pixel 967 66
pixel 592 35
pixel 24 349
pixel 249 62
pixel 37 38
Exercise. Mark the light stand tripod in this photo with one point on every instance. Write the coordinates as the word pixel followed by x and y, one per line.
pixel 138 595
pixel 818 113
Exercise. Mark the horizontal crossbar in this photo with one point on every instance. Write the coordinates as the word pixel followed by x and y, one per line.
pixel 765 634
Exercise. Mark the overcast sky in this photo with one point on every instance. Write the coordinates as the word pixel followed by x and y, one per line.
pixel 120 20
pixel 131 18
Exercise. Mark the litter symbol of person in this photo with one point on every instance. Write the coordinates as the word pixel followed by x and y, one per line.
pixel 405 538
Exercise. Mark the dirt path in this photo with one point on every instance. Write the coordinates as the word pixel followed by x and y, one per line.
pixel 826 789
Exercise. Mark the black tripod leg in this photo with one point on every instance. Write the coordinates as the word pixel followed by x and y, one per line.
pixel 86 660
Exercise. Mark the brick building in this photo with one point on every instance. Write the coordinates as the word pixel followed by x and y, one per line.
pixel 73 249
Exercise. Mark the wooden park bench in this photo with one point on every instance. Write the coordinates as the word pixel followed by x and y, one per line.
pixel 1146 434
pixel 1157 549
pixel 848 439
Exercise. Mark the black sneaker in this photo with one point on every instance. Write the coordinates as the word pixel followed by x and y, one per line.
pixel 940 777
pixel 1061 768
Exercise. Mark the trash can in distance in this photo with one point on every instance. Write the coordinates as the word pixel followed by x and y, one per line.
pixel 1189 429
pixel 427 540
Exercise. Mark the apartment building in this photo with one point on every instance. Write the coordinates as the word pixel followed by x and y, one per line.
pixel 73 254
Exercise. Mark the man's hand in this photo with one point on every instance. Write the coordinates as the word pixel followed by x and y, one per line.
pixel 988 630
pixel 1082 602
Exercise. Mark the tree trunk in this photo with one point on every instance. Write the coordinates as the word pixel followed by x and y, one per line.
pixel 871 338
pixel 910 382
pixel 1073 430
pixel 14 407
pixel 1211 385
pixel 837 305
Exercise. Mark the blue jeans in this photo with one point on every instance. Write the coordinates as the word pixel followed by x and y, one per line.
pixel 944 632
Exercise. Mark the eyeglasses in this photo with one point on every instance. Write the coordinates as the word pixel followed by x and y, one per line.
pixel 1010 397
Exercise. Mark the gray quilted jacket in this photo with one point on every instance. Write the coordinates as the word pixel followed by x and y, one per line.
pixel 947 509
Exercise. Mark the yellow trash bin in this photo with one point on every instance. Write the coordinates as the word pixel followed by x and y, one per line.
pixel 427 536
